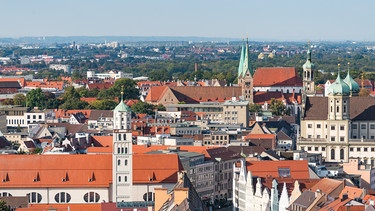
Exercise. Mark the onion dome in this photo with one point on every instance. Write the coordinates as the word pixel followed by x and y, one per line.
pixel 353 85
pixel 339 87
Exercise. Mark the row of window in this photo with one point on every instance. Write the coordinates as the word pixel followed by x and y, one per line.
pixel 333 127
pixel 62 197
pixel 372 149
pixel 363 126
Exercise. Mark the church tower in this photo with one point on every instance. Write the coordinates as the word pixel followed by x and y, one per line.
pixel 245 78
pixel 122 162
pixel 308 75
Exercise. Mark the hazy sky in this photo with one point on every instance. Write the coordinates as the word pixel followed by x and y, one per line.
pixel 261 19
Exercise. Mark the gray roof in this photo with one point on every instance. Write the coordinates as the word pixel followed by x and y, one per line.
pixel 361 108
pixel 95 114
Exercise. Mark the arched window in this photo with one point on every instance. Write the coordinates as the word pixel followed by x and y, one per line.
pixel 125 178
pixel 148 196
pixel 5 194
pixel 332 154
pixel 119 178
pixel 34 197
pixel 118 150
pixel 342 154
pixel 63 197
pixel 124 137
pixel 338 109
pixel 122 150
pixel 126 162
pixel 118 162
pixel 91 197
pixel 119 137
pixel 126 150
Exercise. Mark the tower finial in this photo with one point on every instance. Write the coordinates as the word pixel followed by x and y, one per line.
pixel 122 93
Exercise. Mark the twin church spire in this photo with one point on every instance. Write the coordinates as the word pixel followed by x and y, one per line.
pixel 245 78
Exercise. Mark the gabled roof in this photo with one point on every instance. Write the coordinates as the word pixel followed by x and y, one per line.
pixel 156 168
pixel 298 168
pixel 95 114
pixel 276 76
pixel 154 94
pixel 45 84
pixel 10 84
pixel 102 141
pixel 327 185
pixel 31 171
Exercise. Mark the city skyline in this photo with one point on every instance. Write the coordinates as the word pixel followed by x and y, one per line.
pixel 277 20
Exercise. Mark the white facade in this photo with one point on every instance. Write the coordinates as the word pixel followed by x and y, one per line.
pixel 65 68
pixel 109 75
pixel 26 119
pixel 282 89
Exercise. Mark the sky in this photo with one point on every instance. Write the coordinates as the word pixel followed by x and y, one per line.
pixel 283 20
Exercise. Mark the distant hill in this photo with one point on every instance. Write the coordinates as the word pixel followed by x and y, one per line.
pixel 102 39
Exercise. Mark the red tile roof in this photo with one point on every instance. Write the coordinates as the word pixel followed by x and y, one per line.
pixel 277 76
pixel 45 84
pixel 102 141
pixel 327 185
pixel 154 94
pixel 33 171
pixel 20 80
pixel 146 170
pixel 298 168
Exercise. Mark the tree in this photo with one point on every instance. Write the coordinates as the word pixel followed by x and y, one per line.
pixel 277 107
pixel 103 104
pixel 19 99
pixel 70 93
pixel 36 98
pixel 255 107
pixel 3 206
pixel 161 107
pixel 143 108
pixel 74 104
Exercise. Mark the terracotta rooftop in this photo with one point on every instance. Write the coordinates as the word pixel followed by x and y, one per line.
pixel 276 76
pixel 147 170
pixel 327 185
pixel 102 141
pixel 298 168
pixel 33 171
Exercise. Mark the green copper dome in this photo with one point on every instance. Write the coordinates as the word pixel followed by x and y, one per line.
pixel 353 86
pixel 122 107
pixel 339 87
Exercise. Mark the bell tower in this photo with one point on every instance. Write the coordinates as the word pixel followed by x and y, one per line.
pixel 245 78
pixel 308 75
pixel 122 162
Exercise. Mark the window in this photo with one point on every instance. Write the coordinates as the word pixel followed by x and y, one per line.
pixel 333 138
pixel 333 127
pixel 342 127
pixel 284 172
pixel 62 197
pixel 126 178
pixel 119 179
pixel 126 162
pixel 365 149
pixel 351 149
pixel 309 125
pixel 317 136
pixel 363 126
pixel 323 149
pixel 91 197
pixel 148 196
pixel 34 197
pixel 372 149
pixel 372 126
pixel 308 148
pixel 118 162
pixel 342 138
pixel 342 154
pixel 316 148
pixel 358 149
pixel 332 154
pixel 5 194
pixel 354 126
pixel 318 126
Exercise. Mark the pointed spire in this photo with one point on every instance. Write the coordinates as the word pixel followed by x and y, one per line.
pixel 308 51
pixel 246 65
pixel 284 199
pixel 240 66
pixel 122 93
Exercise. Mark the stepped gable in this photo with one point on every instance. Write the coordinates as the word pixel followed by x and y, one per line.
pixel 277 76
